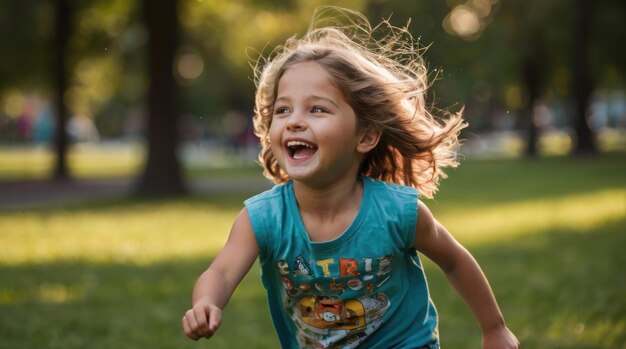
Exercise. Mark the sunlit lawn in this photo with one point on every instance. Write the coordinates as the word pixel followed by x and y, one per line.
pixel 549 233
pixel 114 160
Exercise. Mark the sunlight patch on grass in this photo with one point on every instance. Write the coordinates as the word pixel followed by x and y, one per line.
pixel 576 213
pixel 8 296
pixel 94 161
pixel 57 293
pixel 147 233
pixel 33 163
pixel 84 161
pixel 139 234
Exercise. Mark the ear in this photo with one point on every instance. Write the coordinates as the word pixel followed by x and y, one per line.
pixel 368 139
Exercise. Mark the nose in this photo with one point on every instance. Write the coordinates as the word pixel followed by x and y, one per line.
pixel 296 121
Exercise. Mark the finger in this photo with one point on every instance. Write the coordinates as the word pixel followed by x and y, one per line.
pixel 202 321
pixel 215 319
pixel 187 328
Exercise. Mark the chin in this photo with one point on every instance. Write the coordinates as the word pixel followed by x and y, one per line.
pixel 295 170
pixel 300 176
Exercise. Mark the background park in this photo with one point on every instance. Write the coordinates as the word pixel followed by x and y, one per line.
pixel 126 151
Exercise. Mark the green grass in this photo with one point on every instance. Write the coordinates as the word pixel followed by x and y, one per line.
pixel 112 160
pixel 549 234
pixel 84 161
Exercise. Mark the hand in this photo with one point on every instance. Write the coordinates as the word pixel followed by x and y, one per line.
pixel 500 338
pixel 202 321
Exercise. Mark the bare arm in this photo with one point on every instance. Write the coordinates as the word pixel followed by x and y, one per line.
pixel 433 240
pixel 216 285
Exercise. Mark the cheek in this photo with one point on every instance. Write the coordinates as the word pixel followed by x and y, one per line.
pixel 275 138
pixel 273 133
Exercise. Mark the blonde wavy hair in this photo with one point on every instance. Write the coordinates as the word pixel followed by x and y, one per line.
pixel 382 76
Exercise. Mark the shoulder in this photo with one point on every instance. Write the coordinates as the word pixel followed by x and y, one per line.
pixel 242 227
pixel 425 219
pixel 265 212
pixel 271 194
pixel 396 205
pixel 263 206
pixel 430 235
pixel 270 201
pixel 392 190
pixel 392 197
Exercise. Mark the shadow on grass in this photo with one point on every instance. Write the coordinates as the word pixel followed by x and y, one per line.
pixel 84 305
pixel 557 289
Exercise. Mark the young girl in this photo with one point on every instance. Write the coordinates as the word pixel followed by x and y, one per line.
pixel 347 138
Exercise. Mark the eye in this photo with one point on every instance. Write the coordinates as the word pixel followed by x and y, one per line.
pixel 318 109
pixel 281 110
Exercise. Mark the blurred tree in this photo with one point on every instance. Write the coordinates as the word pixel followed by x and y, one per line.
pixel 67 51
pixel 533 76
pixel 230 36
pixel 463 73
pixel 107 60
pixel 528 52
pixel 511 39
pixel 62 35
pixel 582 80
pixel 518 53
pixel 162 172
pixel 27 32
pixel 498 56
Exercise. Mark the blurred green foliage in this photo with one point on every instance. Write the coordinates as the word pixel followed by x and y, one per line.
pixel 475 51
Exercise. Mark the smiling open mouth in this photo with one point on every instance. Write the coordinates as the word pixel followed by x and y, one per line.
pixel 300 150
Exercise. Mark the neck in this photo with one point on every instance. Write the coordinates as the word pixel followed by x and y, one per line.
pixel 330 200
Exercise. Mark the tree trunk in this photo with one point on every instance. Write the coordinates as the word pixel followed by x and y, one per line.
pixel 582 84
pixel 61 171
pixel 162 173
pixel 532 79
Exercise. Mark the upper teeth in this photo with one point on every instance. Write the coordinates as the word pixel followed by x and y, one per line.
pixel 296 143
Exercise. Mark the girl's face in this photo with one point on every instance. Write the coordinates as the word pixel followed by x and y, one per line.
pixel 313 135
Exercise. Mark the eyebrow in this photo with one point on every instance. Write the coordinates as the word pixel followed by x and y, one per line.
pixel 325 99
pixel 313 97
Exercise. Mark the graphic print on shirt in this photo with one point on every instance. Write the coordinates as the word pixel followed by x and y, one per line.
pixel 335 300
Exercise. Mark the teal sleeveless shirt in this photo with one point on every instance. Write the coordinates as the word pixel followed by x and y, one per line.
pixel 364 289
